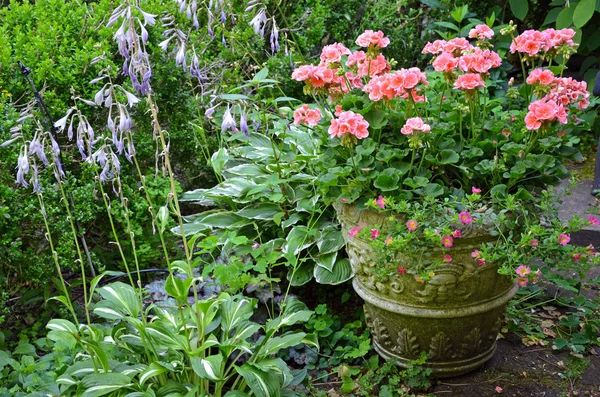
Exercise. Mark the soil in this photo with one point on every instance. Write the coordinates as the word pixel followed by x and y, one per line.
pixel 527 372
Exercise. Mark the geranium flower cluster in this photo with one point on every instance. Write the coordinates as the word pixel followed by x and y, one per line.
pixel 349 123
pixel 306 115
pixel 458 54
pixel 561 92
pixel 398 84
pixel 415 124
pixel 533 42
pixel 330 77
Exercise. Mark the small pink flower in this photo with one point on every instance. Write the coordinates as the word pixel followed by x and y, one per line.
pixel 593 220
pixel 343 200
pixel 419 279
pixel 388 241
pixel 481 261
pixel 381 202
pixel 401 269
pixel 447 258
pixel 534 242
pixel 371 38
pixel 469 81
pixel 447 241
pixel 498 389
pixel 523 270
pixel 349 123
pixel 465 217
pixel 255 246
pixel 354 231
pixel 415 124
pixel 411 225
pixel 375 233
pixel 564 239
pixel 476 254
pixel 576 257
pixel 481 32
pixel 457 234
pixel 522 281
pixel 305 115
pixel 475 190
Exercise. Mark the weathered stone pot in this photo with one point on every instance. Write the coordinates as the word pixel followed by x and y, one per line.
pixel 455 317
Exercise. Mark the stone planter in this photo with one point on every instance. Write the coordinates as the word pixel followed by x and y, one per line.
pixel 455 317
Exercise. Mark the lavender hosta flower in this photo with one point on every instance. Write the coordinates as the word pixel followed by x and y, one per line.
pixel 131 99
pixel 22 167
pixel 144 34
pixel 36 147
pixel 149 19
pixel 228 122
pixel 180 57
pixel 35 182
pixel 244 124
pixel 62 123
pixel 164 44
pixel 259 22
pixel 99 97
pixel 274 39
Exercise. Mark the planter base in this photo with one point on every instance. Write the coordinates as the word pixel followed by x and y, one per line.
pixel 443 369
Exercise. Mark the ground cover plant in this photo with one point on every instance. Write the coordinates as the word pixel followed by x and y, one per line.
pixel 153 98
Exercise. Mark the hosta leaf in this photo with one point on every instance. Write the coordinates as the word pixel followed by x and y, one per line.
pixel 209 367
pixel 341 272
pixel 121 297
pixel 331 241
pixel 294 312
pixel 262 211
pixel 262 383
pixel 95 385
pixel 154 369
pixel 275 344
pixel 235 311
pixel 302 274
pixel 327 260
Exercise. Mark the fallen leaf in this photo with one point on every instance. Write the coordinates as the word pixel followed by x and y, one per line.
pixel 547 324
pixel 498 389
pixel 549 332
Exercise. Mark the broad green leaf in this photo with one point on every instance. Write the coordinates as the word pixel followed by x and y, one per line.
pixel 99 353
pixel 448 156
pixel 62 325
pixel 302 273
pixel 387 180
pixel 294 312
pixel 519 8
pixel 448 25
pixel 565 18
pixel 261 75
pixel 208 368
pixel 95 385
pixel 341 272
pixel 583 12
pixel 120 299
pixel 433 190
pixel 327 260
pixel 275 344
pixel 297 239
pixel 262 383
pixel 234 311
pixel 330 241
pixel 262 211
pixel 177 288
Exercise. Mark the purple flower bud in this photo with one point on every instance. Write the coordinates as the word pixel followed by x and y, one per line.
pixel 223 17
pixel 144 34
pixel 22 169
pixel 195 23
pixel 223 40
pixel 99 97
pixel 180 57
pixel 244 124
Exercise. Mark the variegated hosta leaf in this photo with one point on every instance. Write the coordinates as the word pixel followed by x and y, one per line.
pixel 154 369
pixel 208 368
pixel 164 336
pixel 234 311
pixel 207 311
pixel 96 385
pixel 294 312
pixel 276 365
pixel 341 272
pixel 277 343
pixel 62 330
pixel 130 370
pixel 262 383
pixel 120 300
pixel 236 393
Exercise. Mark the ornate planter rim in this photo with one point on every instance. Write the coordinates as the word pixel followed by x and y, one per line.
pixel 392 305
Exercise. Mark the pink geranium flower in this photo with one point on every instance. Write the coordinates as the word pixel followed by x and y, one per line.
pixel 411 225
pixel 469 82
pixel 415 124
pixel 481 32
pixel 349 122
pixel 564 239
pixel 447 241
pixel 371 38
pixel 475 190
pixel 465 217
pixel 305 115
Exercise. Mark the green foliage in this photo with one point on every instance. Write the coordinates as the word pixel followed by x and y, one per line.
pixel 211 346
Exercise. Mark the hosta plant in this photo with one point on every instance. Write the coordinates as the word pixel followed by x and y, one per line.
pixel 208 348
